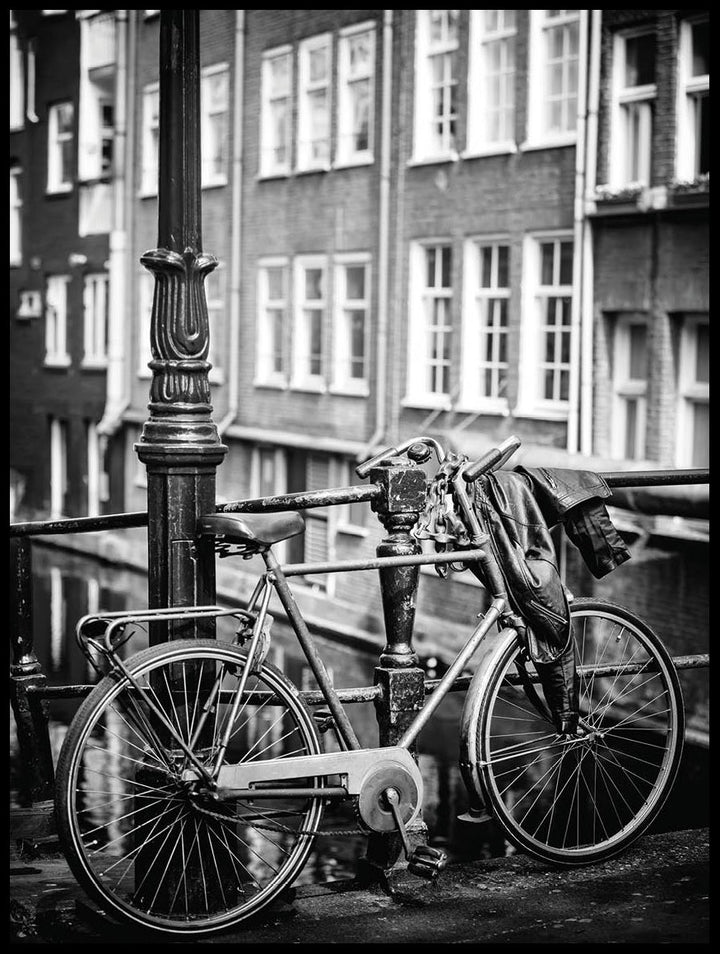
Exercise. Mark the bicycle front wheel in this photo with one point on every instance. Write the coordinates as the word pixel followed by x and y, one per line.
pixel 575 800
pixel 153 849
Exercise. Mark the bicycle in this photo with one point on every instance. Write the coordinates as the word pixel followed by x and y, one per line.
pixel 218 777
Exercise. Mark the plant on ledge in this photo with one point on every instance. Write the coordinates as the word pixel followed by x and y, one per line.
pixel 628 192
pixel 700 183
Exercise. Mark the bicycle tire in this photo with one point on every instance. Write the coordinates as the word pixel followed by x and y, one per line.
pixel 577 801
pixel 141 847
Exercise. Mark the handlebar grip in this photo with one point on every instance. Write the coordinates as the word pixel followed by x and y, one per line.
pixel 492 460
pixel 362 470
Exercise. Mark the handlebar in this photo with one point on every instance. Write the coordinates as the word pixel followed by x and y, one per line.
pixel 490 461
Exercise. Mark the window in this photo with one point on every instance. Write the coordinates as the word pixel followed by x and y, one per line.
pixel 150 139
pixel 693 430
pixel 215 295
pixel 56 304
pixel 430 320
pixel 693 108
pixel 272 322
pixel 94 469
pixel 96 120
pixel 15 216
pixel 630 373
pixel 491 81
pixel 436 82
pixel 352 517
pixel 146 292
pixel 633 103
pixel 545 370
pixel 485 325
pixel 60 147
pixel 314 103
pixel 95 319
pixel 31 114
pixel 58 467
pixel 215 125
pixel 17 91
pixel 356 68
pixel 309 338
pixel 275 112
pixel 553 76
pixel 351 324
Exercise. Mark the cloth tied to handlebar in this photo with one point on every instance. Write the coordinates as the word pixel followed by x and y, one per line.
pixel 523 549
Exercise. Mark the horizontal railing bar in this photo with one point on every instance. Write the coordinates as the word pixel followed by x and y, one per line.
pixel 369 693
pixel 322 498
pixel 378 563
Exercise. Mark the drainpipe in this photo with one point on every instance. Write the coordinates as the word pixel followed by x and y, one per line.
pixel 578 242
pixel 383 240
pixel 586 358
pixel 117 386
pixel 235 265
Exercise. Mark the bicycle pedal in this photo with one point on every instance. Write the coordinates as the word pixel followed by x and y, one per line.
pixel 426 862
pixel 475 816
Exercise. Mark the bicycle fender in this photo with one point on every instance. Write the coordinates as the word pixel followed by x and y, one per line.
pixel 490 649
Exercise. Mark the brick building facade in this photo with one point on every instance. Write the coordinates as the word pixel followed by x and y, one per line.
pixel 465 223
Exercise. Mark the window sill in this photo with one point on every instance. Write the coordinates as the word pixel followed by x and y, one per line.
pixel 58 190
pixel 273 385
pixel 15 262
pixel 361 391
pixel 433 160
pixel 495 149
pixel 93 364
pixel 308 386
pixel 488 407
pixel 352 531
pixel 427 402
pixel 17 128
pixel 215 184
pixel 216 376
pixel 360 160
pixel 542 413
pixel 147 194
pixel 556 142
pixel 325 167
pixel 59 362
pixel 267 176
pixel 144 373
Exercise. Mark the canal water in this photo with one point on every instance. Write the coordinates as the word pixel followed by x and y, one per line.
pixel 66 586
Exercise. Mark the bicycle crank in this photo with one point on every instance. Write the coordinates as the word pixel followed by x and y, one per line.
pixel 423 861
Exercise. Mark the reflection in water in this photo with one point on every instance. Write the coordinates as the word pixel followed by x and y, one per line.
pixel 67 586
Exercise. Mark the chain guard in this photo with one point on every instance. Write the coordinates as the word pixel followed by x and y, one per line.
pixel 374 812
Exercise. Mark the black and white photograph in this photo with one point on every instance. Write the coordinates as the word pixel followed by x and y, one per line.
pixel 359 447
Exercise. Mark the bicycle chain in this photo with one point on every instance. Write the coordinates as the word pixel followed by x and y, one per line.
pixel 283 829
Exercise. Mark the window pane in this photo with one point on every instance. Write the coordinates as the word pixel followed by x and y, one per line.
pixel 430 259
pixel 565 347
pixel 546 263
pixel 564 385
pixel 638 352
pixel 640 60
pixel 566 312
pixel 566 263
pixel 446 266
pixel 318 65
pixel 502 279
pixel 503 312
pixel 702 121
pixel 313 283
pixel 549 348
pixel 700 49
pixel 702 359
pixel 275 283
pixel 701 433
pixel 486 267
pixel 549 377
pixel 630 428
pixel 355 281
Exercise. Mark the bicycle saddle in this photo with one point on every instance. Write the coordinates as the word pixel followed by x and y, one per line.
pixel 259 529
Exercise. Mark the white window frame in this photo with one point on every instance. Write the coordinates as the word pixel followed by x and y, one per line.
pixel 691 392
pixel 627 389
pixel 342 381
pixel 210 177
pixel 266 374
pixel 56 313
pixel 150 144
pixel 96 304
pixel 346 153
pixel 422 327
pixel 531 381
pixel 58 466
pixel 481 318
pixel 307 88
pixel 279 482
pixel 303 379
pixel 426 148
pixel 479 143
pixel 31 82
pixel 538 135
pixel 15 217
pixel 269 97
pixel 690 89
pixel 345 524
pixel 627 103
pixel 146 293
pixel 216 301
pixel 17 83
pixel 58 178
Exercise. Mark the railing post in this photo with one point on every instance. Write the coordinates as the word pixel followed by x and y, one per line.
pixel 31 716
pixel 180 443
pixel 399 676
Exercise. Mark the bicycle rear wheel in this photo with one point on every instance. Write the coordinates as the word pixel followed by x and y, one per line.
pixel 144 846
pixel 578 800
